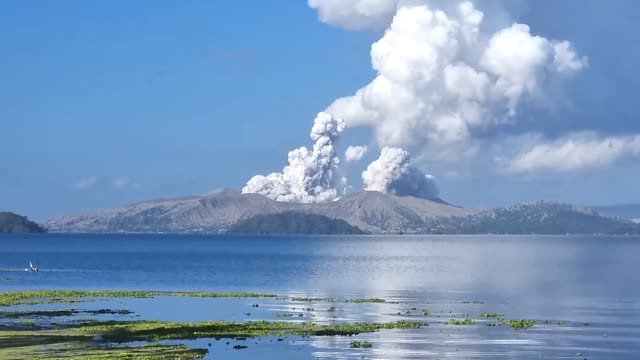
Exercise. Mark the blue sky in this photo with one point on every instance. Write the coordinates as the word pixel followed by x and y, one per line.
pixel 106 103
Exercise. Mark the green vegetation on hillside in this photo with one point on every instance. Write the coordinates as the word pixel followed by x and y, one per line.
pixel 14 223
pixel 293 223
pixel 544 218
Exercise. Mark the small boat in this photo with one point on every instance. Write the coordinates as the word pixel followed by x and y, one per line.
pixel 31 268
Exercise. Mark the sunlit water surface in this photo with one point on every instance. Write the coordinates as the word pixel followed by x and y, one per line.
pixel 585 287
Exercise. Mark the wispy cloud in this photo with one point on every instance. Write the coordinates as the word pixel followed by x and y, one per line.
pixel 125 183
pixel 576 151
pixel 85 183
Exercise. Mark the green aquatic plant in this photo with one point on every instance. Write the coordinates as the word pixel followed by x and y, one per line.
pixel 312 299
pixel 158 330
pixel 491 315
pixel 75 336
pixel 456 322
pixel 283 315
pixel 73 296
pixel 425 312
pixel 41 313
pixel 520 324
pixel 87 320
pixel 108 312
pixel 217 294
pixel 58 313
pixel 366 301
pixel 70 296
pixel 86 351
pixel 360 345
pixel 514 324
pixel 80 335
pixel 27 322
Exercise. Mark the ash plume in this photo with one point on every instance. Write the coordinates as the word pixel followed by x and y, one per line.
pixel 392 173
pixel 445 72
pixel 312 175
pixel 446 75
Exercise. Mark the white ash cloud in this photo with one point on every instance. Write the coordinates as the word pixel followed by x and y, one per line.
pixel 312 175
pixel 444 77
pixel 355 153
pixel 392 173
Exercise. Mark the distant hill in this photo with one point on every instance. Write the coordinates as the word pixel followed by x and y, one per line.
pixel 538 218
pixel 372 212
pixel 14 223
pixel 628 230
pixel 293 223
pixel 624 211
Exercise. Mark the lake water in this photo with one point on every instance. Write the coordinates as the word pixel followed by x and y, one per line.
pixel 583 292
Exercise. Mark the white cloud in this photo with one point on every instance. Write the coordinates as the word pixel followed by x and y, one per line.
pixel 565 58
pixel 85 183
pixel 124 183
pixel 444 76
pixel 355 153
pixel 573 152
pixel 121 182
pixel 518 61
pixel 355 14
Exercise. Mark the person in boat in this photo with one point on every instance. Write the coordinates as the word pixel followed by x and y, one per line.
pixel 31 268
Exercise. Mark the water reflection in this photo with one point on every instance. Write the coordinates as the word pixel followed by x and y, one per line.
pixel 572 280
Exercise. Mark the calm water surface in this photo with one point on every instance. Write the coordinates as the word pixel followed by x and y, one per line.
pixel 589 284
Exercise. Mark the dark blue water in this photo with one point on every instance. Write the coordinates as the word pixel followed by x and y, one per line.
pixel 586 286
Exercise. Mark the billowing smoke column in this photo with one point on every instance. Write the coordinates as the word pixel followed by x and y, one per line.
pixel 444 75
pixel 311 175
pixel 392 173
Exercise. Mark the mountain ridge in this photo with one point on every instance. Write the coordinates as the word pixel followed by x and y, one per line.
pixel 372 212
pixel 216 212
pixel 623 211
